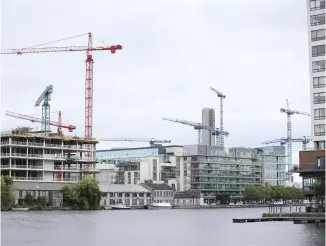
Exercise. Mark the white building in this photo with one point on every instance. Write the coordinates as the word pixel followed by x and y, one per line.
pixel 316 30
pixel 27 156
pixel 135 165
pixel 126 194
pixel 208 119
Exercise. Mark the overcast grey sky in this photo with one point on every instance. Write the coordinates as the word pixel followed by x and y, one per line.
pixel 254 51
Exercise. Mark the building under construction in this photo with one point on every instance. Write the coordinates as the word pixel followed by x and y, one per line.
pixel 35 157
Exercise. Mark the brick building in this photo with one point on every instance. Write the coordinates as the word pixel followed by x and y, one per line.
pixel 311 169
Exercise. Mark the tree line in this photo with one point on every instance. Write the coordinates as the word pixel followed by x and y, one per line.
pixel 271 193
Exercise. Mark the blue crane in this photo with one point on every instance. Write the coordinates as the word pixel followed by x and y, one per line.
pixel 198 126
pixel 45 97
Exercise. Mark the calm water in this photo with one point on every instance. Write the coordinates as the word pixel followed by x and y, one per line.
pixel 153 228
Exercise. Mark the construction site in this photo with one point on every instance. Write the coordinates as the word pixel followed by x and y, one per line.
pixel 46 156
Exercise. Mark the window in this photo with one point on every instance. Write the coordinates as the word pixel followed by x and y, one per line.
pixel 320 130
pixel 319 97
pixel 318 50
pixel 317 4
pixel 320 162
pixel 316 20
pixel 318 35
pixel 319 82
pixel 319 114
pixel 318 66
pixel 134 202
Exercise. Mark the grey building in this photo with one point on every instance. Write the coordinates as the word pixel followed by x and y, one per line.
pixel 161 193
pixel 126 194
pixel 208 119
pixel 217 170
pixel 50 191
pixel 274 165
pixel 187 198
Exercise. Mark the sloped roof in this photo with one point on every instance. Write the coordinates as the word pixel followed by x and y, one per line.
pixel 187 194
pixel 157 186
pixel 123 188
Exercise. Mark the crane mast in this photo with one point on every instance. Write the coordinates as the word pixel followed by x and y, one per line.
pixel 89 71
pixel 220 139
pixel 289 112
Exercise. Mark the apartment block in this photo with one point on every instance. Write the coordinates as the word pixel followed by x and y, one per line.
pixel 33 157
pixel 316 34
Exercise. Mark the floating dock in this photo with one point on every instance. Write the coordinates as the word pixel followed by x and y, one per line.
pixel 295 220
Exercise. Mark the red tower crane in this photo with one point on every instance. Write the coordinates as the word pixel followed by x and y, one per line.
pixel 89 69
pixel 36 119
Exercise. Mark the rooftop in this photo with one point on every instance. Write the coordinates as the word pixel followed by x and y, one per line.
pixel 148 147
pixel 157 186
pixel 123 188
pixel 187 194
pixel 51 136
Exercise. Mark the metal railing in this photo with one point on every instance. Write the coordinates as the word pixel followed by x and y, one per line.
pixel 45 179
pixel 38 156
pixel 34 144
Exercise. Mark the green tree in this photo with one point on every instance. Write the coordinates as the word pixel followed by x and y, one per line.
pixel 319 190
pixel 264 193
pixel 7 199
pixel 84 195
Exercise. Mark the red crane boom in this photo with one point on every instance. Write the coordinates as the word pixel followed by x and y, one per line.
pixel 36 119
pixel 89 70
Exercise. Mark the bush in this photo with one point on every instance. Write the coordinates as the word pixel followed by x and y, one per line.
pixel 85 195
pixel 7 200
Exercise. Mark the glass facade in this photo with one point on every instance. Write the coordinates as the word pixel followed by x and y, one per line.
pixel 274 163
pixel 214 170
pixel 115 156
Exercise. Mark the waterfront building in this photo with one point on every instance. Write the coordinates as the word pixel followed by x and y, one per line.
pixel 311 169
pixel 316 34
pixel 161 193
pixel 33 157
pixel 217 170
pixel 187 198
pixel 274 165
pixel 312 162
pixel 135 165
pixel 208 119
pixel 126 194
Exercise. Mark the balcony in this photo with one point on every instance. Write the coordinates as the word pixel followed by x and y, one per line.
pixel 311 169
pixel 50 180
pixel 33 156
pixel 42 145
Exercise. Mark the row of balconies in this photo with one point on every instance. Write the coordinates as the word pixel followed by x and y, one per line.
pixel 46 157
pixel 43 145
pixel 38 179
pixel 42 168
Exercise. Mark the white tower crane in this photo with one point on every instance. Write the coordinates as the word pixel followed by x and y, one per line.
pixel 222 97
pixel 290 112
pixel 151 141
pixel 198 126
